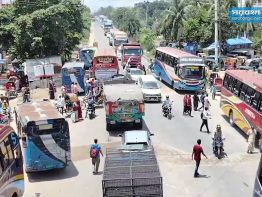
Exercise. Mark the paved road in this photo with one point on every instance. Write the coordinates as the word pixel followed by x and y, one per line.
pixel 232 176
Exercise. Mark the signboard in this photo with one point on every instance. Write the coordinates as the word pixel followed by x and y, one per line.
pixel 39 71
pixel 245 14
pixel 191 60
pixel 49 70
pixel 105 60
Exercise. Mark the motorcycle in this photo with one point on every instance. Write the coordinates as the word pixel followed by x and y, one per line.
pixel 167 111
pixel 218 147
pixel 90 111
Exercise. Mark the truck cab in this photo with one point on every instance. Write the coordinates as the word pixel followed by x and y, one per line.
pixel 133 51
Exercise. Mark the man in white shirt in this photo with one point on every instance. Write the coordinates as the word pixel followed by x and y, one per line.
pixel 206 102
pixel 204 117
pixel 251 139
pixel 61 104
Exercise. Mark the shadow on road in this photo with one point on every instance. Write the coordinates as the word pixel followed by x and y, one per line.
pixel 121 128
pixel 56 174
pixel 203 176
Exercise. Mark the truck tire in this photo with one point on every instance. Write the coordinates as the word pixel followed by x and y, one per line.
pixel 109 127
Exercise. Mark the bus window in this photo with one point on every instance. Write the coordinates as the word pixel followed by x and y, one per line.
pixel 243 92
pixel 9 151
pixel 255 100
pixel 249 94
pixel 238 88
pixel 4 155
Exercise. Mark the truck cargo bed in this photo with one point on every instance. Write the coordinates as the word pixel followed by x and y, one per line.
pixel 131 174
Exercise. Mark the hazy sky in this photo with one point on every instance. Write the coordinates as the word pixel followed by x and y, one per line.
pixel 96 4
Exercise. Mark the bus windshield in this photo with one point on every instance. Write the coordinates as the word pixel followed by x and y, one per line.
pixel 132 51
pixel 47 129
pixel 191 72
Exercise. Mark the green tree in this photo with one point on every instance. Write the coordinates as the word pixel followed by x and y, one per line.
pixel 172 19
pixel 55 30
pixel 147 39
pixel 199 27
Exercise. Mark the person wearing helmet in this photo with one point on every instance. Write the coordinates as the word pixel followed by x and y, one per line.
pixel 90 104
pixel 217 136
pixel 166 102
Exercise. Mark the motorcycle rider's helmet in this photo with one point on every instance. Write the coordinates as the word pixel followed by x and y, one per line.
pixel 167 97
pixel 218 127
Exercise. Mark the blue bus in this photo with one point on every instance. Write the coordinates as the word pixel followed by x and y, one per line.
pixel 45 136
pixel 86 55
pixel 74 72
pixel 179 69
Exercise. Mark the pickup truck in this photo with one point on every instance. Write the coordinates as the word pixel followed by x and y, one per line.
pixel 132 169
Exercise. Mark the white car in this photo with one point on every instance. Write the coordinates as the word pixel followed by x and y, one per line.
pixel 133 73
pixel 150 88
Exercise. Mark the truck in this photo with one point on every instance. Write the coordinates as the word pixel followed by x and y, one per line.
pixel 118 38
pixel 132 170
pixel 132 51
pixel 108 24
pixel 124 103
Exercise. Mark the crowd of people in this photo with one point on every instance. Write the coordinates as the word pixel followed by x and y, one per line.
pixel 69 101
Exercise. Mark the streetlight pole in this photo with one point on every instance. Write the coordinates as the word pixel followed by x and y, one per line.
pixel 216 35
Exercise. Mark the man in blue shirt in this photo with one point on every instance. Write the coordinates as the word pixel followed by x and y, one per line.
pixel 95 152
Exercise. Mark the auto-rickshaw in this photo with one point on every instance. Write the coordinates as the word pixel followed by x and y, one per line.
pixel 10 89
pixel 230 63
pixel 218 82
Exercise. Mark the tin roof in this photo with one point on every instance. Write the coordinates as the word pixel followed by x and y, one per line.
pixel 174 52
pixel 251 78
pixel 37 111
pixel 105 52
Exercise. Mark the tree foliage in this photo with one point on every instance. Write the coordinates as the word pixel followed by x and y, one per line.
pixel 53 29
pixel 147 39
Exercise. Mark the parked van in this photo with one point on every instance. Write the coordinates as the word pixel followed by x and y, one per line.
pixel 150 88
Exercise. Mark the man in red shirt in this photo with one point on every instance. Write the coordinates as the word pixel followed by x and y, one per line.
pixel 196 155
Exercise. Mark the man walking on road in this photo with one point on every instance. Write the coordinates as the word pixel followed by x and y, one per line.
pixel 204 116
pixel 251 139
pixel 95 152
pixel 196 155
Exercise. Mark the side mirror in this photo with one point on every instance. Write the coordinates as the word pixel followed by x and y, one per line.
pixel 120 135
pixel 152 134
pixel 224 138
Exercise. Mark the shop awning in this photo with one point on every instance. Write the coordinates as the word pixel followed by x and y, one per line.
pixel 238 41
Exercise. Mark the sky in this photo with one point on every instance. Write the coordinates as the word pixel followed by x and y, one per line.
pixel 94 5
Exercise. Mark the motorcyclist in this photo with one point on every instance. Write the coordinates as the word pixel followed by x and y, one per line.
pixel 90 104
pixel 166 103
pixel 217 137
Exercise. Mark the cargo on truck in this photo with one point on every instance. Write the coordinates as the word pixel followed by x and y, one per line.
pixel 119 37
pixel 124 103
pixel 133 51
pixel 131 174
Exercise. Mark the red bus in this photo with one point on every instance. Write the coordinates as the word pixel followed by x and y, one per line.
pixel 241 99
pixel 105 64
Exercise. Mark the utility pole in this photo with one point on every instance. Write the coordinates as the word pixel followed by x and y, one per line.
pixel 216 35
pixel 146 2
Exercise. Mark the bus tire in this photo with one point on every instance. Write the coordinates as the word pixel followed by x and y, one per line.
pixel 109 127
pixel 231 118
